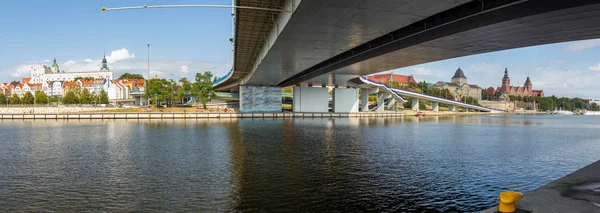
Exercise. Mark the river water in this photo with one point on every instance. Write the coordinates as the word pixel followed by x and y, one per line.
pixel 433 164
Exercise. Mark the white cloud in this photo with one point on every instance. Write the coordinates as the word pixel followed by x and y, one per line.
pixel 594 67
pixel 118 55
pixel 484 68
pixel 21 71
pixel 579 46
pixel 425 71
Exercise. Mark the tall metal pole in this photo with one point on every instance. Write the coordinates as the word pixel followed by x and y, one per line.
pixel 148 79
pixel 148 61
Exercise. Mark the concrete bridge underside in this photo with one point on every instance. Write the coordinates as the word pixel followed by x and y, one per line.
pixel 324 39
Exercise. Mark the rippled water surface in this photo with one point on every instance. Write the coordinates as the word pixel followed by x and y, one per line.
pixel 311 165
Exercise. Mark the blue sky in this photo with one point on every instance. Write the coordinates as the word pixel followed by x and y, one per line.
pixel 76 33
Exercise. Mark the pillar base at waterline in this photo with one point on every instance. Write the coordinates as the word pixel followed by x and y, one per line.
pixel 415 104
pixel 260 99
pixel 345 100
pixel 311 99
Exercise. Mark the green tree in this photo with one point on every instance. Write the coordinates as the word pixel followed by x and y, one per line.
pixel 86 97
pixel 131 76
pixel 159 90
pixel 203 88
pixel 3 99
pixel 103 97
pixel 287 90
pixel 373 97
pixel 70 98
pixel 185 90
pixel 53 99
pixel 423 85
pixel 40 97
pixel 594 107
pixel 27 98
pixel 484 95
pixel 15 99
pixel 470 100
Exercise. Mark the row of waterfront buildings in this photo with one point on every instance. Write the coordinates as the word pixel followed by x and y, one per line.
pixel 459 86
pixel 54 82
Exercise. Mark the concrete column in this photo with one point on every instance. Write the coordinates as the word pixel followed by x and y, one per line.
pixel 380 102
pixel 435 106
pixel 364 100
pixel 415 104
pixel 345 100
pixel 311 99
pixel 452 108
pixel 260 99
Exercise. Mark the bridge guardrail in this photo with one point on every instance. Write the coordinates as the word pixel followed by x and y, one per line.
pixel 366 80
pixel 223 78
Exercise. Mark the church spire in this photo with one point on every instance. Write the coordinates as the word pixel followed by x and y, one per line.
pixel 104 63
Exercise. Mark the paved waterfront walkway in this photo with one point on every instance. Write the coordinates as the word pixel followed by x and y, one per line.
pixel 574 193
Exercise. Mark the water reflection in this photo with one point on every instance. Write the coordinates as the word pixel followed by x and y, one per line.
pixel 455 163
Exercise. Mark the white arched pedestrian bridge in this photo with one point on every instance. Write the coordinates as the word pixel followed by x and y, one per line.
pixel 401 94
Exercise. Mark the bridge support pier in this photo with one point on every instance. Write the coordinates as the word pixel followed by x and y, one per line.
pixel 311 99
pixel 260 99
pixel 435 106
pixel 452 108
pixel 345 99
pixel 381 101
pixel 415 104
pixel 364 98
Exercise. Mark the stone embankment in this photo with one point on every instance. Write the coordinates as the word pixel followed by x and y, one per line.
pixel 578 192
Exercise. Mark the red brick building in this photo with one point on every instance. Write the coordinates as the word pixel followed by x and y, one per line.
pixel 388 77
pixel 525 90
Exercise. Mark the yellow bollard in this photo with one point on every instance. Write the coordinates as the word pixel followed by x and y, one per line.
pixel 507 201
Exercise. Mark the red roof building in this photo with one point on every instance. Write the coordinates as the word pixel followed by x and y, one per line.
pixel 388 77
pixel 525 90
pixel 490 91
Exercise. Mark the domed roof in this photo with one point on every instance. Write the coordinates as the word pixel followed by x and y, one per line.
pixel 55 65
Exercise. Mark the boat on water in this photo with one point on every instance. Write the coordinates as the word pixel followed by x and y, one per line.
pixel 562 112
pixel 591 113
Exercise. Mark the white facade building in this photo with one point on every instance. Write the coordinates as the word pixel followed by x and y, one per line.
pixel 42 73
pixel 55 88
pixel 118 91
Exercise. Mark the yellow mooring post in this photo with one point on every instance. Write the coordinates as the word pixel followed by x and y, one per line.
pixel 507 201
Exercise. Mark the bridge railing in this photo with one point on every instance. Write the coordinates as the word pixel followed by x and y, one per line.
pixel 434 96
pixel 223 78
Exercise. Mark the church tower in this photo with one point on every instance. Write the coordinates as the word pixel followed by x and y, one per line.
pixel 505 81
pixel 54 67
pixel 104 64
pixel 528 86
pixel 459 77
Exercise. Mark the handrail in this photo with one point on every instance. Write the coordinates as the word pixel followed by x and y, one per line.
pixel 366 80
pixel 223 78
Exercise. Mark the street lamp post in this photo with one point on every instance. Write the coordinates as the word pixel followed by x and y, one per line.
pixel 148 79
